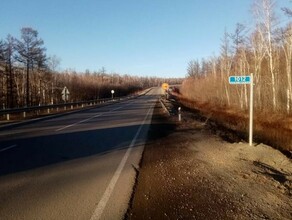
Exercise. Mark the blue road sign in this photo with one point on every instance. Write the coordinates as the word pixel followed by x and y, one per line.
pixel 239 79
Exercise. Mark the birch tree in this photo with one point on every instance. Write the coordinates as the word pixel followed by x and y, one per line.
pixel 225 64
pixel 2 64
pixel 267 22
pixel 286 38
pixel 240 61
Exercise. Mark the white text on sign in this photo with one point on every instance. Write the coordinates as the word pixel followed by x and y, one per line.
pixel 239 79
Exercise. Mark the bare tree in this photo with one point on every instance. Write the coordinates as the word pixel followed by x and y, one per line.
pixel 287 11
pixel 264 51
pixel 226 60
pixel 238 36
pixel 286 38
pixel 30 52
pixel 1 52
pixel 8 58
pixel 267 22
pixel 258 53
pixel 287 48
pixel 53 63
pixel 240 61
pixel 194 69
pixel 2 72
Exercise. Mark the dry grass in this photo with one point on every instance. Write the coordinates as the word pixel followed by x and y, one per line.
pixel 274 130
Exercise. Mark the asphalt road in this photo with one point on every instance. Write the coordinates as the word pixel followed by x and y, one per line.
pixel 77 166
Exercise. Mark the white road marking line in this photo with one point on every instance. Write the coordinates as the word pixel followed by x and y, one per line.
pixel 110 188
pixel 7 148
pixel 84 120
pixel 117 108
pixel 68 126
pixel 9 133
pixel 79 122
pixel 120 107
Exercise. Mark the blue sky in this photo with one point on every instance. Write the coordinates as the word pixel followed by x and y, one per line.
pixel 137 37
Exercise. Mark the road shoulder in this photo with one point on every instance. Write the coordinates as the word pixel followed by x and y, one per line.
pixel 188 172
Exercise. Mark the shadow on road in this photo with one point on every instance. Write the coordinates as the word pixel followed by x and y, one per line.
pixel 39 151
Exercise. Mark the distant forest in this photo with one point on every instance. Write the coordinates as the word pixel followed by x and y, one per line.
pixel 263 48
pixel 28 77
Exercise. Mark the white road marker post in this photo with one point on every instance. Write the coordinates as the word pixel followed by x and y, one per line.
pixel 112 92
pixel 251 110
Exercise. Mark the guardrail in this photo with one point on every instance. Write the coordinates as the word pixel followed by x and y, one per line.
pixel 36 110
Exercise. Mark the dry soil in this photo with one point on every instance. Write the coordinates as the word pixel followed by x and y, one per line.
pixel 189 172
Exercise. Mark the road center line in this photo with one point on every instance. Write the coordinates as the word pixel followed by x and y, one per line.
pixel 7 148
pixel 87 119
pixel 117 108
pixel 84 120
pixel 110 188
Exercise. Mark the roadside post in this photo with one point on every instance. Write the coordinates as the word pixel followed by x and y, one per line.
pixel 112 92
pixel 246 80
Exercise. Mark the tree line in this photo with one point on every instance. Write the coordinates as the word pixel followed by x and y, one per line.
pixel 29 77
pixel 264 49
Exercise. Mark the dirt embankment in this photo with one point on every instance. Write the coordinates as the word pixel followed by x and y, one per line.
pixel 188 172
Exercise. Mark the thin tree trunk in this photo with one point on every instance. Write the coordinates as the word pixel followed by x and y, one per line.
pixel 27 84
pixel 11 102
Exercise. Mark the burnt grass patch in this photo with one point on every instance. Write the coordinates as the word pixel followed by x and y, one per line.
pixel 227 134
pixel 233 128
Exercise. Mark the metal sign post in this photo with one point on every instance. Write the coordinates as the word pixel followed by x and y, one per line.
pixel 251 110
pixel 246 80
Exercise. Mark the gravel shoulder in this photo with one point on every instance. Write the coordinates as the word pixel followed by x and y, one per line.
pixel 189 172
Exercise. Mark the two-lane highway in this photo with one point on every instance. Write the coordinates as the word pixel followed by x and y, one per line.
pixel 77 166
